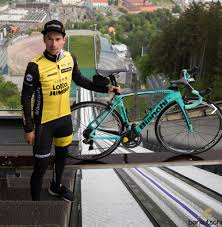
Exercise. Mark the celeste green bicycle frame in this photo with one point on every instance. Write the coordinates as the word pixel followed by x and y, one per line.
pixel 171 96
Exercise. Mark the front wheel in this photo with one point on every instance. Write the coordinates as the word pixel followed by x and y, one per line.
pixel 105 139
pixel 172 130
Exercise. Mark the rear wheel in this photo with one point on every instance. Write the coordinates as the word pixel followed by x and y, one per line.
pixel 172 130
pixel 107 134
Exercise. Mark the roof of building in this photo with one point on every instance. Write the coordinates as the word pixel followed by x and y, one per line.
pixel 120 47
pixel 21 15
pixel 100 1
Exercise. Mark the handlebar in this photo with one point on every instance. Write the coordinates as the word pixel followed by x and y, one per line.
pixel 187 77
pixel 193 72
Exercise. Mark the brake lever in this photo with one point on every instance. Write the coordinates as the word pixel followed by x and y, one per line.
pixel 116 92
pixel 194 70
pixel 205 91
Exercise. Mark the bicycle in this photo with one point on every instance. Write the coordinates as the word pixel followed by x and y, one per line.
pixel 183 125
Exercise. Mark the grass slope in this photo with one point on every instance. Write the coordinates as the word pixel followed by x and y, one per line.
pixel 82 47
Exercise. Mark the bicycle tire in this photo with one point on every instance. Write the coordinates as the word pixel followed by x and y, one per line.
pixel 82 114
pixel 172 131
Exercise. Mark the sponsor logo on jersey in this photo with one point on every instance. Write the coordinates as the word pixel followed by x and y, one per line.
pixel 39 58
pixel 37 101
pixel 52 74
pixel 59 89
pixel 28 77
pixel 66 70
pixel 60 80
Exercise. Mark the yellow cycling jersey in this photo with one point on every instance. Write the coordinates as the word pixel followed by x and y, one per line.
pixel 55 82
pixel 49 78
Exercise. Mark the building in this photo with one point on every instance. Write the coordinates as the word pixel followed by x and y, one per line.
pixel 3 7
pixel 43 1
pixel 121 50
pixel 3 51
pixel 72 2
pixel 203 1
pixel 21 19
pixel 42 5
pixel 100 3
pixel 138 6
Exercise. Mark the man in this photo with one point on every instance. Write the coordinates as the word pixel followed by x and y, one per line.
pixel 49 77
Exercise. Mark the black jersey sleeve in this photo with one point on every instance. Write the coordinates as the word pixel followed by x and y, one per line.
pixel 29 84
pixel 82 81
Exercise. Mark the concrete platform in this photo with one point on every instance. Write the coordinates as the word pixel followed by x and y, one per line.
pixel 17 209
pixel 50 225
pixel 34 213
pixel 19 189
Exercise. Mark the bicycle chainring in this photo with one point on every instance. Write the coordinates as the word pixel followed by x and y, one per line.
pixel 131 139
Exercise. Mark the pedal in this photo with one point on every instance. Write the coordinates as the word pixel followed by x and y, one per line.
pixel 86 141
pixel 125 139
pixel 90 147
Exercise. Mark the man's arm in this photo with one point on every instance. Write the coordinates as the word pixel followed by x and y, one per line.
pixel 84 82
pixel 29 84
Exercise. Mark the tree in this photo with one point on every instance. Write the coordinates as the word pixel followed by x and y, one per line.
pixel 194 39
pixel 176 9
pixel 9 94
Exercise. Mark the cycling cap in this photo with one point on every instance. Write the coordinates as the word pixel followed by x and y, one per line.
pixel 54 25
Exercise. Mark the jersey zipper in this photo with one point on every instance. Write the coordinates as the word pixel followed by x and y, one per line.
pixel 60 101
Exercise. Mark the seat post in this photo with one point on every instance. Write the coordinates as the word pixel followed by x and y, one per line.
pixel 114 83
pixel 113 80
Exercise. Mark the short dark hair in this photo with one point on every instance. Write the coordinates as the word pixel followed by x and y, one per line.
pixel 54 26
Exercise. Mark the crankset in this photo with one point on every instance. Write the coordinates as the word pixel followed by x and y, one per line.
pixel 131 138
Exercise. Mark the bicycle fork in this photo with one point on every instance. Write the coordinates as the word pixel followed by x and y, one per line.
pixel 186 116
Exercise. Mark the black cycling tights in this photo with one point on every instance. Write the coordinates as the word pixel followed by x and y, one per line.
pixel 40 167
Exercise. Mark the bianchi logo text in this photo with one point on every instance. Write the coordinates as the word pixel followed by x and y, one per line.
pixel 59 89
pixel 157 109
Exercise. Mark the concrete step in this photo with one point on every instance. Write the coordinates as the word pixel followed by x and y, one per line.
pixel 67 172
pixel 29 213
pixel 52 225
pixel 17 209
pixel 19 189
pixel 24 182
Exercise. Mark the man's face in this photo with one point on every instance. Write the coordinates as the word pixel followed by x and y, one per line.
pixel 54 42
